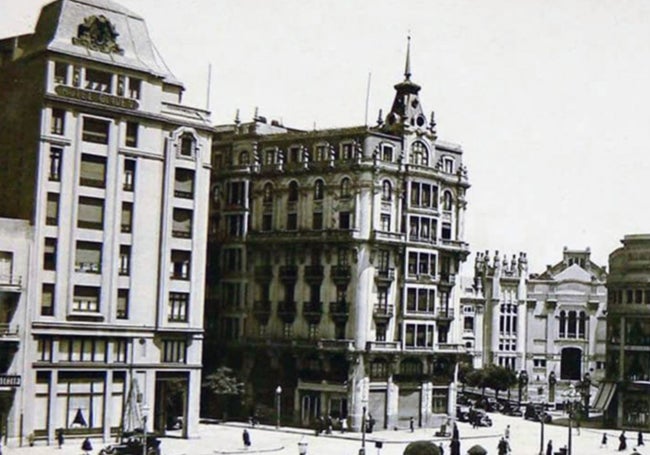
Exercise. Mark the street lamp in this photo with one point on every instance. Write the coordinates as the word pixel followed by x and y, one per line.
pixel 362 450
pixel 586 390
pixel 541 414
pixel 523 382
pixel 572 397
pixel 145 412
pixel 552 380
pixel 278 394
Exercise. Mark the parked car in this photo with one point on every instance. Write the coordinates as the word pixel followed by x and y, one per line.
pixel 132 445
pixel 511 409
pixel 489 404
pixel 537 413
pixel 480 418
pixel 462 413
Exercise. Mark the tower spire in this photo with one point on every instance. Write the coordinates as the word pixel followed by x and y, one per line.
pixel 407 67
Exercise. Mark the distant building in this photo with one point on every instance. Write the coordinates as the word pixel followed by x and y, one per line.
pixel 333 262
pixel 551 325
pixel 626 396
pixel 112 172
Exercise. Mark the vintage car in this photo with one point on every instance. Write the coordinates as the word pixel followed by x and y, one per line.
pixel 132 445
pixel 537 413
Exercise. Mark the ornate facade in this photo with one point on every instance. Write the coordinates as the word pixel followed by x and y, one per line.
pixel 112 173
pixel 333 260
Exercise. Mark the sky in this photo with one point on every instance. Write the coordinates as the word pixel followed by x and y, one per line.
pixel 550 99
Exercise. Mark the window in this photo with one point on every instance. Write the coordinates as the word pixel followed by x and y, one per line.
pixel 86 299
pixel 347 152
pixel 182 226
pixel 235 192
pixel 287 330
pixel 235 225
pixel 125 260
pixel 421 263
pixel 384 221
pixel 321 153
pixel 180 266
pixel 129 175
pixel 184 183
pixel 77 349
pixel 135 86
pixel 122 311
pixel 380 333
pixel 52 209
pixel 539 363
pixel 468 323
pixel 178 304
pixel 267 221
pixel 60 73
pixel 267 198
pixel 339 330
pixel 420 300
pixel 47 300
pixel 188 143
pixel 49 254
pixel 126 221
pixel 317 220
pixel 58 122
pixel 446 231
pixel 269 157
pixel 424 195
pixel 293 192
pixel 292 221
pixel 379 369
pixel 439 401
pixel 572 324
pixel 447 201
pixel 386 191
pixel 95 131
pixel 318 190
pixel 387 152
pixel 55 164
pixel 418 336
pixel 131 134
pixel 93 171
pixel 294 155
pixel 98 81
pixel 312 332
pixel 345 187
pixel 120 349
pixel 121 84
pixel 88 257
pixel 244 159
pixel 174 351
pixel 345 220
pixel 91 213
pixel 419 154
pixel 44 349
pixel 448 165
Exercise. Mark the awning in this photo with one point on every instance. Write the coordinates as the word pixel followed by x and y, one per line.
pixel 604 396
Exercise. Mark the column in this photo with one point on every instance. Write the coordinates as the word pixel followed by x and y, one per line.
pixel 360 395
pixel 392 403
pixel 108 405
pixel 191 424
pixel 51 403
pixel 425 404
pixel 362 298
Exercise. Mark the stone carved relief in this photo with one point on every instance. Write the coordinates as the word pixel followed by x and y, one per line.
pixel 97 33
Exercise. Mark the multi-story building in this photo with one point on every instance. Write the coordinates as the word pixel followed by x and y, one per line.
pixel 550 325
pixel 626 394
pixel 336 252
pixel 112 172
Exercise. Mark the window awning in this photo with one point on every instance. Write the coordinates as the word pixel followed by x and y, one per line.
pixel 604 396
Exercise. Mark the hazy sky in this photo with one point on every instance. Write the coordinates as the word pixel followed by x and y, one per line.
pixel 549 99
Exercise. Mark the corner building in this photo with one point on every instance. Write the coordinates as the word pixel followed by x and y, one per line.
pixel 112 172
pixel 334 254
pixel 626 397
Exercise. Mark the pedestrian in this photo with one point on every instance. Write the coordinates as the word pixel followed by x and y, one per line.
pixel 371 423
pixel 502 447
pixel 329 424
pixel 86 446
pixel 507 433
pixel 622 442
pixel 603 441
pixel 549 447
pixel 59 437
pixel 578 427
pixel 441 449
pixel 411 424
pixel 30 439
pixel 344 425
pixel 246 438
pixel 640 439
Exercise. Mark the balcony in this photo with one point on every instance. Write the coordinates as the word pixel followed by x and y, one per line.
pixel 385 275
pixel 336 345
pixel 375 346
pixel 9 333
pixel 447 279
pixel 455 246
pixel 445 314
pixel 312 311
pixel 339 311
pixel 288 273
pixel 264 273
pixel 11 283
pixel 383 311
pixel 287 311
pixel 341 274
pixel 262 311
pixel 388 236
pixel 314 274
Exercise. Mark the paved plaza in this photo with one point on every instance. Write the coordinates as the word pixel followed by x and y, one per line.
pixel 227 439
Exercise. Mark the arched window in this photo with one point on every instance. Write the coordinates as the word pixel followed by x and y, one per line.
pixel 345 187
pixel 268 193
pixel 386 191
pixel 293 191
pixel 562 324
pixel 319 189
pixel 582 324
pixel 244 159
pixel 447 201
pixel 419 154
pixel 571 329
pixel 187 144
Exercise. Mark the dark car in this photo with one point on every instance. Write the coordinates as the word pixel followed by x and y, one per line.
pixel 511 409
pixel 537 413
pixel 480 418
pixel 462 413
pixel 489 404
pixel 132 445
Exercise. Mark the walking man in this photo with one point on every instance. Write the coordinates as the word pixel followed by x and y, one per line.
pixel 412 425
pixel 549 447
pixel 622 442
pixel 507 433
pixel 640 439
pixel 246 438
pixel 603 441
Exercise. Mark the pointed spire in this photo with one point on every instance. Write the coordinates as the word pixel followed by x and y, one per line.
pixel 237 121
pixel 407 67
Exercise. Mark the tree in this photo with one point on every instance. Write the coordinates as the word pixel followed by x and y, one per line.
pixel 223 385
pixel 476 378
pixel 499 378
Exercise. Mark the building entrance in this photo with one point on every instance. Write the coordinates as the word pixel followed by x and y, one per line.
pixel 571 365
pixel 171 402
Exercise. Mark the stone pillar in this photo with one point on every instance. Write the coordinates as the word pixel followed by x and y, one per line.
pixel 452 400
pixel 392 404
pixel 193 395
pixel 362 310
pixel 51 404
pixel 425 404
pixel 360 395
pixel 108 408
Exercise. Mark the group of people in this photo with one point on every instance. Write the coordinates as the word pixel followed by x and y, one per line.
pixel 622 441
pixel 328 424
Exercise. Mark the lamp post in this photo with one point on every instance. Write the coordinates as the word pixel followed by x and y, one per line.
pixel 541 415
pixel 362 450
pixel 571 399
pixel 523 382
pixel 145 412
pixel 586 389
pixel 552 380
pixel 278 394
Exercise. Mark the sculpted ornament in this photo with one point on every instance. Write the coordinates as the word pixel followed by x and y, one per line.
pixel 98 34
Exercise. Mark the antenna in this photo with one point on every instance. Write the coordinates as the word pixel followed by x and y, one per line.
pixel 367 98
pixel 207 98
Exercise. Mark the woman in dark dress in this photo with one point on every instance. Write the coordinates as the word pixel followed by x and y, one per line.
pixel 622 445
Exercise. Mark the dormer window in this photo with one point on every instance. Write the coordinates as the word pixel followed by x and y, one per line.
pixel 321 153
pixel 448 165
pixel 346 152
pixel 98 81
pixel 419 154
pixel 187 144
pixel 387 153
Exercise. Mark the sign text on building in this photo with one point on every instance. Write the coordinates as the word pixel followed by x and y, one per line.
pixel 7 380
pixel 95 97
